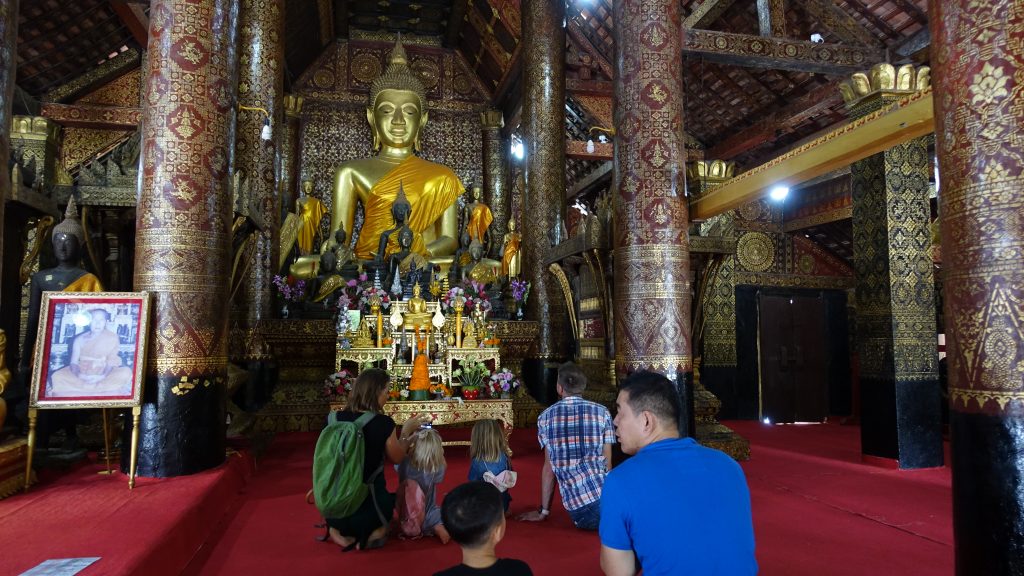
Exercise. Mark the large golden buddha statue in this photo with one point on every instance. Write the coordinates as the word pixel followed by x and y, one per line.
pixel 397 112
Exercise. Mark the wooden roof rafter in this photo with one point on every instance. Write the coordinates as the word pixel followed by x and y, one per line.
pixel 133 16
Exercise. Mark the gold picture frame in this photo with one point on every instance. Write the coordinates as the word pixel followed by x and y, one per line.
pixel 90 352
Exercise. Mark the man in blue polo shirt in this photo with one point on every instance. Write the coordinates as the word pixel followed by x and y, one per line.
pixel 675 507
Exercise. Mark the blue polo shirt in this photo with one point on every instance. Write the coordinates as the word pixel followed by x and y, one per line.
pixel 682 508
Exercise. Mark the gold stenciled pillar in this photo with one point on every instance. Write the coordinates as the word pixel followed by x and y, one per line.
pixel 652 255
pixel 496 182
pixel 290 143
pixel 899 393
pixel 8 66
pixel 183 224
pixel 543 54
pixel 260 85
pixel 978 59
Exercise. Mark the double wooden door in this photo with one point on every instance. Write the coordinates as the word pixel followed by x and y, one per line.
pixel 793 348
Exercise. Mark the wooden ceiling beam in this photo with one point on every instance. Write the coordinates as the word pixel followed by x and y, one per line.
pixel 840 23
pixel 603 172
pixel 771 18
pixel 779 53
pixel 706 14
pixel 913 45
pixel 133 16
pixel 873 18
pixel 603 151
pixel 583 42
pixel 325 12
pixel 910 118
pixel 455 20
pixel 92 116
pixel 589 87
pixel 803 108
pixel 341 18
pixel 912 10
pixel 509 79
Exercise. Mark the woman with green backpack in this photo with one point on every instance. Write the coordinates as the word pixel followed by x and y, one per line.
pixel 348 479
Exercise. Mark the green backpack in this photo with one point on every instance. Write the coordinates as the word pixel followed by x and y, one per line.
pixel 338 485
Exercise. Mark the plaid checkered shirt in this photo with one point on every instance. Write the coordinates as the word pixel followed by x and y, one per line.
pixel 574 432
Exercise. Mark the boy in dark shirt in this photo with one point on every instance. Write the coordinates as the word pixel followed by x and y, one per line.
pixel 475 517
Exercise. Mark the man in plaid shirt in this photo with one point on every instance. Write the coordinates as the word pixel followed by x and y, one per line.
pixel 577 437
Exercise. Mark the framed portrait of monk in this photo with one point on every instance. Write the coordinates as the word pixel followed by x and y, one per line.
pixel 90 350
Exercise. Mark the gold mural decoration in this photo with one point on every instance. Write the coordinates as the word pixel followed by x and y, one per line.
pixel 755 251
pixel 124 91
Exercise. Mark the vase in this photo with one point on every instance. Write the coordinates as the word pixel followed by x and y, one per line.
pixel 419 395
pixel 284 311
pixel 470 392
pixel 519 311
pixel 505 396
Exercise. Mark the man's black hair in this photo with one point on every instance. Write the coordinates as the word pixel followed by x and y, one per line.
pixel 654 393
pixel 471 511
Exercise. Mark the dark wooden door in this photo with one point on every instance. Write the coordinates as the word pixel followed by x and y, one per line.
pixel 794 378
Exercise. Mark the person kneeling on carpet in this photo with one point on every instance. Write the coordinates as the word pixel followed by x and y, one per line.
pixel 475 518
pixel 418 477
pixel 367 527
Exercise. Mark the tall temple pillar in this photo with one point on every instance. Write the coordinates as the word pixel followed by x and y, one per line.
pixel 652 254
pixel 895 290
pixel 183 226
pixel 496 184
pixel 8 67
pixel 543 55
pixel 979 116
pixel 290 146
pixel 260 85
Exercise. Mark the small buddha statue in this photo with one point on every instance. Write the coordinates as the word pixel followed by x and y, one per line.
pixel 511 258
pixel 478 218
pixel 388 244
pixel 416 315
pixel 469 335
pixel 461 258
pixel 395 261
pixel 328 281
pixel 363 338
pixel 310 210
pixel 480 270
pixel 344 257
pixel 397 113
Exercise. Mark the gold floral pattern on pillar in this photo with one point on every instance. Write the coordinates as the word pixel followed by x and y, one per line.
pixel 978 119
pixel 652 259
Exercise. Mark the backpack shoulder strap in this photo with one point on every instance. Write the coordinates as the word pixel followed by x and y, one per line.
pixel 364 419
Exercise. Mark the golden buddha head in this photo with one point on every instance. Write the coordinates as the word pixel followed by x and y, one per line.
pixel 397 110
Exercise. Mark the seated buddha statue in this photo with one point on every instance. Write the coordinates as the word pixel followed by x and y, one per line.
pixel 397 113
pixel 402 262
pixel 416 315
pixel 481 270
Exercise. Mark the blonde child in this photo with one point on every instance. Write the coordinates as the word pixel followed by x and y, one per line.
pixel 488 452
pixel 425 466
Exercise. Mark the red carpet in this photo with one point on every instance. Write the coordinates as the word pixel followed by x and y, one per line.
pixel 273 531
pixel 154 529
pixel 817 510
